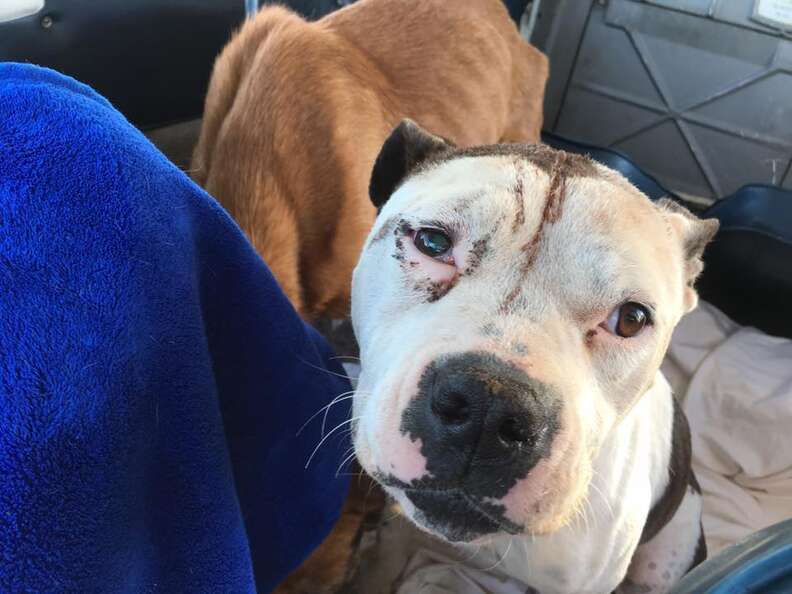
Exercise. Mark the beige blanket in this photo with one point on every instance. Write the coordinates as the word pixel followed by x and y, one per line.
pixel 736 387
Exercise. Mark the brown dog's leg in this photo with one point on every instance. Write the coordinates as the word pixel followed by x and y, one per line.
pixel 276 238
pixel 255 201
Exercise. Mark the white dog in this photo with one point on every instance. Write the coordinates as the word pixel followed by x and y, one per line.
pixel 513 304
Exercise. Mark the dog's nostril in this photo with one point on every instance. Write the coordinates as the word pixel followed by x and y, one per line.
pixel 512 432
pixel 453 408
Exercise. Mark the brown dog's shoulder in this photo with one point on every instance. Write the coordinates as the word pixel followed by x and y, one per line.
pixel 229 71
pixel 269 19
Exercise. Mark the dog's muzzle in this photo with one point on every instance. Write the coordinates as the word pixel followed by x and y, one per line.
pixel 483 425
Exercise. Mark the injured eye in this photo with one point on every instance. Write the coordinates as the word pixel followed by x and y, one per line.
pixel 433 243
pixel 628 320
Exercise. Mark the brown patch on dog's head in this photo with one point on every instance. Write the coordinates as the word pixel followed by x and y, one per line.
pixel 477 254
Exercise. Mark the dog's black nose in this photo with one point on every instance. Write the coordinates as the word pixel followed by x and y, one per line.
pixel 480 407
pixel 480 420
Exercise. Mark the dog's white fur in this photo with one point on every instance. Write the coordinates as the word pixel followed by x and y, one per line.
pixel 585 506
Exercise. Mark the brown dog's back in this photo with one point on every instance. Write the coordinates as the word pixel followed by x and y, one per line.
pixel 296 113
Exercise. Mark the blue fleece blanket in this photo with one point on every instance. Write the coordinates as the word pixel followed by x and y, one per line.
pixel 153 377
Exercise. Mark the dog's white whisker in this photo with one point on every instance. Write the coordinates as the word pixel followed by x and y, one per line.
pixel 505 554
pixel 327 410
pixel 336 400
pixel 574 518
pixel 524 542
pixel 604 500
pixel 348 451
pixel 345 461
pixel 326 437
pixel 584 509
pixel 588 513
pixel 317 367
pixel 473 554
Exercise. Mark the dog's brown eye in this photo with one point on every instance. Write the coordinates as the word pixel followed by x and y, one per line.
pixel 432 242
pixel 628 319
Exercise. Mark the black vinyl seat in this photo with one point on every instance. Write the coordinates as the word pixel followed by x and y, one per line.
pixel 151 58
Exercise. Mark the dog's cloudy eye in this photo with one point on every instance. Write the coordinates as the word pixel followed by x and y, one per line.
pixel 628 319
pixel 432 242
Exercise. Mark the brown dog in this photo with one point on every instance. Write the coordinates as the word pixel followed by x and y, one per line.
pixel 296 113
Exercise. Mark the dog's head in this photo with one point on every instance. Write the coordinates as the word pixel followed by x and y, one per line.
pixel 511 303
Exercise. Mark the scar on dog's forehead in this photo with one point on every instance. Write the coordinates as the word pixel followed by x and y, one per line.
pixel 389 226
pixel 519 196
pixel 558 173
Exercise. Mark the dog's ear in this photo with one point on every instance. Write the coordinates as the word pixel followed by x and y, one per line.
pixel 695 234
pixel 406 148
